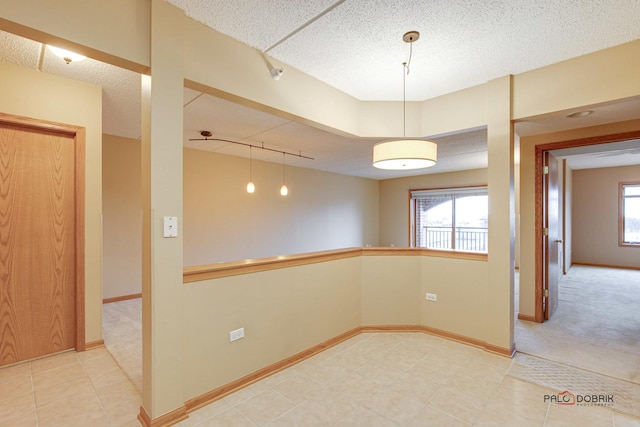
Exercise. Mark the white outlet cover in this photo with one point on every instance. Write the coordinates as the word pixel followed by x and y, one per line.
pixel 236 334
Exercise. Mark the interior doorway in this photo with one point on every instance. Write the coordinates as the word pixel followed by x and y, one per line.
pixel 546 297
pixel 42 232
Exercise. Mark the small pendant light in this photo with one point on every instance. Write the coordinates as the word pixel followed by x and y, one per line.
pixel 251 188
pixel 283 190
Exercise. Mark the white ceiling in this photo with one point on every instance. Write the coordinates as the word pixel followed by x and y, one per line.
pixel 356 46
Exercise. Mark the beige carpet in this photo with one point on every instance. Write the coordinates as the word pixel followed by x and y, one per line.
pixel 596 325
pixel 122 331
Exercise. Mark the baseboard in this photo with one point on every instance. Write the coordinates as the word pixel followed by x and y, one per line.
pixel 121 298
pixel 94 344
pixel 247 380
pixel 527 317
pixel 605 266
pixel 168 419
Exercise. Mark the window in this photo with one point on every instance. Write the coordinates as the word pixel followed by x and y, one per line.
pixel 629 226
pixel 451 218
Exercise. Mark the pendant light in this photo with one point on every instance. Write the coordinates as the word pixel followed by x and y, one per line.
pixel 405 154
pixel 251 188
pixel 283 190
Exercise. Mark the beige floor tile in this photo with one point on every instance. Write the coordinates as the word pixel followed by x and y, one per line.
pixel 58 375
pixel 495 416
pixel 429 417
pixel 119 394
pixel 62 390
pixel 328 373
pixel 96 419
pixel 245 393
pixel 15 387
pixel 72 408
pixel 299 388
pixel 55 361
pixel 363 417
pixel 380 370
pixel 298 416
pixel 24 419
pixel 358 388
pixel 458 404
pixel 265 407
pixel 421 388
pixel 583 416
pixel 330 406
pixel 229 418
pixel 14 406
pixel 622 420
pixel 397 407
pixel 206 412
pixel 21 371
pixel 524 398
pixel 123 412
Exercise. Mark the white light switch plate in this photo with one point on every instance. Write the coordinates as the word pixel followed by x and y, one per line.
pixel 170 226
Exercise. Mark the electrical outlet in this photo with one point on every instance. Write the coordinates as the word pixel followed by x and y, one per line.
pixel 236 335
pixel 432 297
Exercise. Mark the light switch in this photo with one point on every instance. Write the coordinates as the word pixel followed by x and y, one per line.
pixel 170 226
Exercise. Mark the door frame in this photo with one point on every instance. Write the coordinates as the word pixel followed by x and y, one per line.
pixel 539 205
pixel 78 134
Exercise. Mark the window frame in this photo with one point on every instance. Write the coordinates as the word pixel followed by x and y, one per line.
pixel 621 219
pixel 413 215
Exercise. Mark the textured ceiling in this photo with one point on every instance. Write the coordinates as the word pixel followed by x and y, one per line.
pixel 356 46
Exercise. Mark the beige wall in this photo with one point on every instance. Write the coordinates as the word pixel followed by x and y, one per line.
pixel 121 217
pixel 289 310
pixel 222 222
pixel 461 289
pixel 568 221
pixel 282 312
pixel 527 200
pixel 394 200
pixel 42 96
pixel 391 290
pixel 595 217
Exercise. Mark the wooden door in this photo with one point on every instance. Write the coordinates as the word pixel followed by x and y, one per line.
pixel 37 242
pixel 552 236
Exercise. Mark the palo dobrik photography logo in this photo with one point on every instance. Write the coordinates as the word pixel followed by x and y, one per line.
pixel 566 398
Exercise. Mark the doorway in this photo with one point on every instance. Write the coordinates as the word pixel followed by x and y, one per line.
pixel 42 234
pixel 545 298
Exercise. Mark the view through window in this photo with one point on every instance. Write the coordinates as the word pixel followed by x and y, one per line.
pixel 450 218
pixel 630 213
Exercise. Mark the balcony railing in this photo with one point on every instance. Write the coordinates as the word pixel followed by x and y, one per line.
pixel 472 239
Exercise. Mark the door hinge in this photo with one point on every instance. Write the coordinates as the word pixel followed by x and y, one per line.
pixel 545 170
pixel 545 231
pixel 546 293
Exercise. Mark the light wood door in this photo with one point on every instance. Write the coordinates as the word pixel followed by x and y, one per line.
pixel 37 243
pixel 552 237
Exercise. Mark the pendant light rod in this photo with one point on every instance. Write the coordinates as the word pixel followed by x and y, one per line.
pixel 206 134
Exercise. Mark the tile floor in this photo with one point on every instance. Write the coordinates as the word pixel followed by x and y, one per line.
pixel 385 379
pixel 68 389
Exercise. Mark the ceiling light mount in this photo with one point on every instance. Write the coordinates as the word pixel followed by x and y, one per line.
pixel 411 36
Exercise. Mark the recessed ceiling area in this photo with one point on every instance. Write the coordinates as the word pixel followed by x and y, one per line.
pixel 356 46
